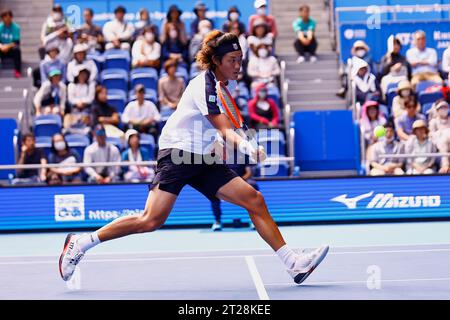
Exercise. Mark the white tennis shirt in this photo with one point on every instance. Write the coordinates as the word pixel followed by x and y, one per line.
pixel 188 128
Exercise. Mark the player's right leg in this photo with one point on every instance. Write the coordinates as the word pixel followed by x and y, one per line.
pixel 157 209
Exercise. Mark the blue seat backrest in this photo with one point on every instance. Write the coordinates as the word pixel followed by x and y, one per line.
pixel 7 131
pixel 47 125
pixel 146 76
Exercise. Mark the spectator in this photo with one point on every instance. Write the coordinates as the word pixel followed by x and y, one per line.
pixel 200 13
pixel 10 41
pixel 404 92
pixel 90 33
pixel 263 67
pixel 439 123
pixel 134 153
pixel 61 39
pixel 444 147
pixel 53 23
pixel 31 155
pixel 173 47
pixel 80 62
pixel 418 144
pixel 54 179
pixel 365 81
pixel 118 33
pixel 170 88
pixel 381 166
pixel 446 63
pixel 61 153
pixel 145 23
pixel 233 16
pixel 260 35
pixel 101 151
pixel 263 111
pixel 304 28
pixel 140 114
pixel 102 112
pixel 146 51
pixel 81 94
pixel 404 123
pixel 204 27
pixel 174 17
pixel 423 61
pixel 52 61
pixel 51 96
pixel 236 28
pixel 261 13
pixel 371 117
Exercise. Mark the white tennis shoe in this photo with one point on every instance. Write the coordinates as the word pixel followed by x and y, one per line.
pixel 306 263
pixel 70 257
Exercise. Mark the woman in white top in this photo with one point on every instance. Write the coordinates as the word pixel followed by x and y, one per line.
pixel 146 52
pixel 260 34
pixel 263 67
pixel 186 138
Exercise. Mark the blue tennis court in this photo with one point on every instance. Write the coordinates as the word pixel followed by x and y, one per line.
pixel 366 261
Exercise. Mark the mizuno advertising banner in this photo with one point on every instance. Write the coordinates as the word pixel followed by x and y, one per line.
pixel 299 200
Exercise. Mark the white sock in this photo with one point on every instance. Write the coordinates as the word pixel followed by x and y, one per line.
pixel 287 256
pixel 88 241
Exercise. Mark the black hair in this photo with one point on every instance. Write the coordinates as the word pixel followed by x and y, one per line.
pixel 26 136
pixel 6 12
pixel 120 9
pixel 53 149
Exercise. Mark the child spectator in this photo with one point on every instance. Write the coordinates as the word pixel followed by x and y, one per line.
pixel 261 13
pixel 263 111
pixel 118 33
pixel 80 62
pixel 52 61
pixel 51 97
pixel 10 41
pixel 170 89
pixel 174 17
pixel 263 67
pixel 404 123
pixel 371 117
pixel 61 153
pixel 304 28
pixel 135 153
pixel 31 155
pixel 146 51
pixel 418 144
pixel 200 15
pixel 173 47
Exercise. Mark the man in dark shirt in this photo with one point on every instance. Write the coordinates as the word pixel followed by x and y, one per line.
pixel 31 155
pixel 90 32
pixel 102 112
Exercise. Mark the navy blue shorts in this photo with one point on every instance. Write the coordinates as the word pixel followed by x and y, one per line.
pixel 205 178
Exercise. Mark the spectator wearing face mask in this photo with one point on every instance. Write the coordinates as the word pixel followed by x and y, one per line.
pixel 143 23
pixel 381 166
pixel 263 111
pixel 146 52
pixel 304 27
pixel 118 32
pixel 404 91
pixel 61 39
pixel 204 27
pixel 261 13
pixel 174 17
pixel 61 153
pixel 52 24
pixel 173 47
pixel 263 67
pixel 440 122
pixel 404 123
pixel 419 144
pixel 233 17
pixel 260 35
pixel 365 81
pixel 200 10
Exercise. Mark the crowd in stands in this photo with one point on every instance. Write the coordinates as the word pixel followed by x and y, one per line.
pixel 408 95
pixel 70 84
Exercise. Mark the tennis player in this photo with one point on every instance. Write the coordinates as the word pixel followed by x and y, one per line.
pixel 188 136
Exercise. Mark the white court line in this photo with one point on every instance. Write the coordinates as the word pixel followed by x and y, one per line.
pixel 356 281
pixel 262 293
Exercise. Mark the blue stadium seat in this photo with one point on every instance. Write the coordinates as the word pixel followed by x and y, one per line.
pixel 273 141
pixel 272 170
pixel 115 79
pixel 150 94
pixel 117 98
pixel 429 97
pixel 194 70
pixel 145 76
pixel 117 59
pixel 44 143
pixel 47 125
pixel 423 85
pixel 99 60
pixel 148 142
pixel 8 135
pixel 391 94
pixel 243 91
pixel 426 108
pixel 78 142
pixel 166 113
pixel 181 72
pixel 116 141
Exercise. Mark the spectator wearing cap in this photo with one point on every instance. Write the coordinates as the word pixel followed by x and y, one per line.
pixel 173 46
pixel 81 95
pixel 381 166
pixel 204 27
pixel 263 67
pixel 423 61
pixel 118 32
pixel 170 88
pixel 144 23
pixel 61 39
pixel 146 52
pixel 61 153
pixel 174 17
pixel 260 34
pixel 446 64
pixel 404 92
pixel 364 80
pixel 419 144
pixel 440 122
pixel 30 155
pixel 90 33
pixel 51 96
pixel 371 117
pixel 101 151
pixel 80 62
pixel 51 61
pixel 263 111
pixel 404 123
pixel 261 13
pixel 53 23
pixel 10 41
pixel 200 10
pixel 102 112
pixel 233 16
pixel 304 27
pixel 134 153
pixel 140 114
